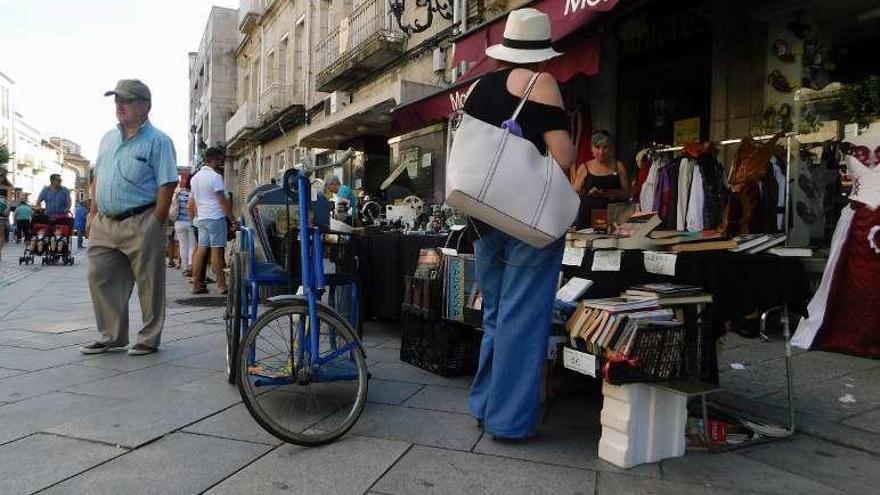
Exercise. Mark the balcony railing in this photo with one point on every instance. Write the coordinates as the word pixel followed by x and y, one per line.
pixel 275 98
pixel 244 119
pixel 248 13
pixel 365 40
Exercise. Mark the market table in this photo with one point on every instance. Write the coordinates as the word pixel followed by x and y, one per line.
pixel 740 284
pixel 386 258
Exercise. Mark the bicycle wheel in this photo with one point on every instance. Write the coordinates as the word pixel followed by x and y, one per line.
pixel 233 316
pixel 288 394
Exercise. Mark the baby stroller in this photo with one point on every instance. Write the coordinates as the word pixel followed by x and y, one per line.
pixel 50 240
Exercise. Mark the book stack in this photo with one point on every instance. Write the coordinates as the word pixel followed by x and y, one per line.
pixel 610 325
pixel 667 294
pixel 756 243
pixel 584 238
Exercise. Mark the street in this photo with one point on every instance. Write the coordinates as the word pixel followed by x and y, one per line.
pixel 169 423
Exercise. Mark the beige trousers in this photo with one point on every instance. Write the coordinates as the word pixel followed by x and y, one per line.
pixel 121 253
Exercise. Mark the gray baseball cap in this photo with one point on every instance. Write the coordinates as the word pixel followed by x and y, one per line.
pixel 131 89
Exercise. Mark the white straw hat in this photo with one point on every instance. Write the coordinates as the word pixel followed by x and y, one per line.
pixel 527 38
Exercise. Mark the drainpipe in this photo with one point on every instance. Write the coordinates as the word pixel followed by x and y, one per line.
pixel 307 54
pixel 456 6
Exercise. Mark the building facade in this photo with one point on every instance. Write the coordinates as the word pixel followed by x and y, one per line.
pixel 7 112
pixel 315 78
pixel 212 82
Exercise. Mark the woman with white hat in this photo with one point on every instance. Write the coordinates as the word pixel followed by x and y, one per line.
pixel 517 281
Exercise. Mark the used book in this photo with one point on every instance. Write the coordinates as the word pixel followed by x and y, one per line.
pixel 663 288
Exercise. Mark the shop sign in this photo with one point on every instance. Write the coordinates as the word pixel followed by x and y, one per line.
pixel 572 6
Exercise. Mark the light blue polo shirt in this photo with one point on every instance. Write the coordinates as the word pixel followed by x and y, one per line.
pixel 130 171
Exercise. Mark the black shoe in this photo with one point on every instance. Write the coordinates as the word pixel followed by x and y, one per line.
pixel 94 348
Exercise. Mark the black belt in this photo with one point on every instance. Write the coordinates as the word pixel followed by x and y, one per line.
pixel 131 212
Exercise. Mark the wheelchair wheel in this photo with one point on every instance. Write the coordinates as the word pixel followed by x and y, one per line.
pixel 291 397
pixel 233 316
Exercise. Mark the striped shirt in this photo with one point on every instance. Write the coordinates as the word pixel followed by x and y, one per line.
pixel 182 202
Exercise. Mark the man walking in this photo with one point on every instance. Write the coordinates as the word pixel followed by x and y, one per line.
pixel 208 195
pixel 135 175
pixel 23 215
pixel 56 197
pixel 79 223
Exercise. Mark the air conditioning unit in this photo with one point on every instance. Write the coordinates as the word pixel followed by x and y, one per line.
pixel 338 100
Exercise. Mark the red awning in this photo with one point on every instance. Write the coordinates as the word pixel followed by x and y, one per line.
pixel 582 57
pixel 566 16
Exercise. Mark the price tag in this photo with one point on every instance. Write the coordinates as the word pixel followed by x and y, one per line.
pixel 660 263
pixel 606 260
pixel 573 256
pixel 579 361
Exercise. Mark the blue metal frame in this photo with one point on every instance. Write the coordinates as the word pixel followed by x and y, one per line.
pixel 313 283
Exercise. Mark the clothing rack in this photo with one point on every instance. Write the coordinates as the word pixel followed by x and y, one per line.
pixel 788 157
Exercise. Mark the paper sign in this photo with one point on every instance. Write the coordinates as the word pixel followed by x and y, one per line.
pixel 426 160
pixel 606 260
pixel 660 263
pixel 579 361
pixel 573 256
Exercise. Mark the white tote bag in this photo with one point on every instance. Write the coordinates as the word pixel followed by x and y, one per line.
pixel 500 178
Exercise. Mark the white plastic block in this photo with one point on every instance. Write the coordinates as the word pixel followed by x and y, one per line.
pixel 641 424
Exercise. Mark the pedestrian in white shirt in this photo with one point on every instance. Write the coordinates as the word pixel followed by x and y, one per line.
pixel 208 194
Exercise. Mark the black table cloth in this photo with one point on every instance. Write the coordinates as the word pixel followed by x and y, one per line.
pixel 740 283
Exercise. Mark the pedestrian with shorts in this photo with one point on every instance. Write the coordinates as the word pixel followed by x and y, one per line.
pixel 213 209
pixel 135 175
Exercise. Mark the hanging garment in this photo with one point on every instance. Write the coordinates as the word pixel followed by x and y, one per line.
pixel 765 222
pixel 644 163
pixel 751 164
pixel 666 197
pixel 844 314
pixel 696 203
pixel 649 188
pixel 685 176
pixel 779 174
pixel 714 190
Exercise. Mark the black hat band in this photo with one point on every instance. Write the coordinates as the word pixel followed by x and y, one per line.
pixel 526 44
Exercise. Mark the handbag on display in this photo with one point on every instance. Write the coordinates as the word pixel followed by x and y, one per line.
pixel 500 178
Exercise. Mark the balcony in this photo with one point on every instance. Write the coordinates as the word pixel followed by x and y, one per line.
pixel 242 121
pixel 365 41
pixel 249 11
pixel 276 97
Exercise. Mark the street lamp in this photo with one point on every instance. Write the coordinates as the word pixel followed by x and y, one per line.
pixel 441 7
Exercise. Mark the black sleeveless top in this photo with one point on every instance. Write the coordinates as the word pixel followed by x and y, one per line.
pixel 491 102
pixel 602 182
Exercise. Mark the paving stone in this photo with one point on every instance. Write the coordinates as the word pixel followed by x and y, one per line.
pixel 425 470
pixel 45 342
pixel 868 421
pixel 436 428
pixel 209 360
pixel 19 358
pixel 350 465
pixel 142 383
pixel 39 413
pixel 553 445
pixel 178 464
pixel 202 343
pixel 20 387
pixel 403 372
pixel 39 461
pixel 737 472
pixel 382 355
pixel 824 399
pixel 448 399
pixel 390 392
pixel 6 373
pixel 850 470
pixel 235 423
pixel 216 385
pixel 620 483
pixel 135 423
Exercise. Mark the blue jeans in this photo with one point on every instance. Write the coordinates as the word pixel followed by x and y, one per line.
pixel 518 285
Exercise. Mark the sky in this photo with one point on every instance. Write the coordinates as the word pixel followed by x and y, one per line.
pixel 63 55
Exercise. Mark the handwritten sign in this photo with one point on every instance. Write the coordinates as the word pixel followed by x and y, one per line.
pixel 573 256
pixel 660 263
pixel 579 361
pixel 607 260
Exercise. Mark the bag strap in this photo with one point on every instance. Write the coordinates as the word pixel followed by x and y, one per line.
pixel 525 96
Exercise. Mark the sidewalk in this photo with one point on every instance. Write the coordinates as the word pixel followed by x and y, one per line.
pixel 169 423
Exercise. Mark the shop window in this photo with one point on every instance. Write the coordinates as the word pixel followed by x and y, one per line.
pixel 422 156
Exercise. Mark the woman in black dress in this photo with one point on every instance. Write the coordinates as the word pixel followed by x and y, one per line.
pixel 601 180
